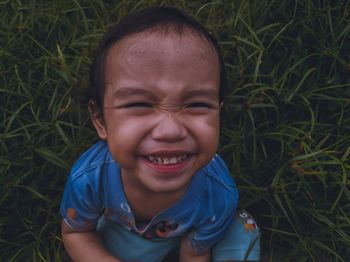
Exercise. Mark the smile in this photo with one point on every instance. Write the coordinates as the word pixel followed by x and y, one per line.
pixel 165 160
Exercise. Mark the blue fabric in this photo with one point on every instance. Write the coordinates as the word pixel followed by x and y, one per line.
pixel 128 246
pixel 241 242
pixel 94 190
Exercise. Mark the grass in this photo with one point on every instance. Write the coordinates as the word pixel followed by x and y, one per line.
pixel 285 126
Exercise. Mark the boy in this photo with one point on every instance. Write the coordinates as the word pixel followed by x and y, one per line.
pixel 154 182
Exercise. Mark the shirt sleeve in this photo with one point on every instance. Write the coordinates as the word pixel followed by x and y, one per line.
pixel 81 205
pixel 219 209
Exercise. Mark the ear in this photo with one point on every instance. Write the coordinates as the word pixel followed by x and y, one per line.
pixel 97 120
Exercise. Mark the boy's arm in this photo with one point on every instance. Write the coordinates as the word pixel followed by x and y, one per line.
pixel 85 246
pixel 188 254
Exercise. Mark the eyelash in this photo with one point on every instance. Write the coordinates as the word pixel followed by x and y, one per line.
pixel 138 104
pixel 199 104
pixel 196 105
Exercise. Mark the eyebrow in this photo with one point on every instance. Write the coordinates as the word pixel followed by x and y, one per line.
pixel 201 93
pixel 124 92
pixel 132 91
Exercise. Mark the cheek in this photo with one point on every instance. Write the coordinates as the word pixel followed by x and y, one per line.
pixel 124 135
pixel 206 130
pixel 121 126
pixel 209 125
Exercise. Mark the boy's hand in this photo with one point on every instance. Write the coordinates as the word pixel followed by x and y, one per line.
pixel 188 254
pixel 85 246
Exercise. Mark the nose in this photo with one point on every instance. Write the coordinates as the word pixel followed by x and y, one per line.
pixel 169 129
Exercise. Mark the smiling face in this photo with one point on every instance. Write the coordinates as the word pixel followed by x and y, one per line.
pixel 161 109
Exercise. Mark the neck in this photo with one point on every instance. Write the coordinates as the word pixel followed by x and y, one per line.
pixel 146 204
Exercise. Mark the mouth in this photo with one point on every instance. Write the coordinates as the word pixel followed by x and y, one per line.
pixel 167 160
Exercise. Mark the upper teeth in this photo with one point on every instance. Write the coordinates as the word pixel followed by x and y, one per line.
pixel 166 160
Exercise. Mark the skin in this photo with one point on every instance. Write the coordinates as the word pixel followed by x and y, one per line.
pixel 161 100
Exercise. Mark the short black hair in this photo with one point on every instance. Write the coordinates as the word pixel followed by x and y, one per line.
pixel 167 19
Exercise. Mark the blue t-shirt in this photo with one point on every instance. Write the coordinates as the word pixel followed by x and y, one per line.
pixel 94 189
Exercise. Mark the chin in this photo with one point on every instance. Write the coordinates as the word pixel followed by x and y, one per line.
pixel 167 188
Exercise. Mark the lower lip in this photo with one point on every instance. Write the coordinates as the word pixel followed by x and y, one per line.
pixel 171 169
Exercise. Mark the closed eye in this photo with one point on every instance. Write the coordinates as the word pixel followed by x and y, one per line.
pixel 138 105
pixel 199 105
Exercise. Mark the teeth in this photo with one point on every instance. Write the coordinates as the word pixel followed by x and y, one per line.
pixel 166 160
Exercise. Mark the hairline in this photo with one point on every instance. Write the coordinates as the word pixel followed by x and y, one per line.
pixel 167 27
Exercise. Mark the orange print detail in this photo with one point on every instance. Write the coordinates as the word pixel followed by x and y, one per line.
pixel 248 227
pixel 71 213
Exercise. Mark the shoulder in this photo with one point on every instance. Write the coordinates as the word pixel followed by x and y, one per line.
pixel 91 162
pixel 222 191
pixel 83 197
pixel 219 174
pixel 216 209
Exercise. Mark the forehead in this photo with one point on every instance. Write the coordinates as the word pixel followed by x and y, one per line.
pixel 187 41
pixel 168 65
pixel 162 47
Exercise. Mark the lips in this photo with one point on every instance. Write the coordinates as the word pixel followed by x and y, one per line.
pixel 167 160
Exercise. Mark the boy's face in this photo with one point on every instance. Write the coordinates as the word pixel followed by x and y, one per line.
pixel 161 109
